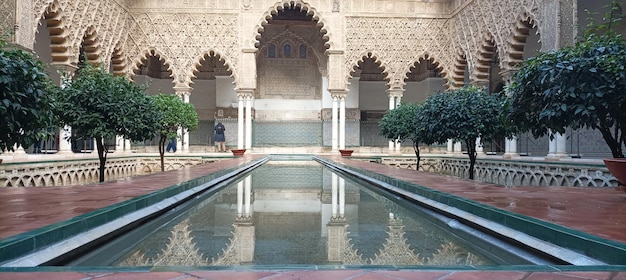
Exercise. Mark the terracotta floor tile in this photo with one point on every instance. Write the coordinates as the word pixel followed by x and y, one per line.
pixel 598 211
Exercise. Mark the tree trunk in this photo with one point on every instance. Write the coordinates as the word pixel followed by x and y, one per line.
pixel 162 141
pixel 102 157
pixel 616 149
pixel 471 152
pixel 416 148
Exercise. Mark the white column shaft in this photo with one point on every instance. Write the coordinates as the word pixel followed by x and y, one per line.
pixel 248 122
pixel 458 148
pixel 64 145
pixel 342 197
pixel 392 105
pixel 240 199
pixel 248 195
pixel 334 195
pixel 185 138
pixel 334 124
pixel 240 123
pixel 342 123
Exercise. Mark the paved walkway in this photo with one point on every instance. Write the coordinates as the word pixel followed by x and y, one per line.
pixel 601 212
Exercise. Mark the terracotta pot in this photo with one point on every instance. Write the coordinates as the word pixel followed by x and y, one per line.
pixel 346 153
pixel 617 167
pixel 238 152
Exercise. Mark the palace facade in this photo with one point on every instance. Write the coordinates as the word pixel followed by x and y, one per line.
pixel 306 76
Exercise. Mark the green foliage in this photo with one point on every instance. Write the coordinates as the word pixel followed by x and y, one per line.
pixel 176 114
pixel 463 114
pixel 26 99
pixel 99 105
pixel 578 86
pixel 400 123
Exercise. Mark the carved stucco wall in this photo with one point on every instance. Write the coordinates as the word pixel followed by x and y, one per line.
pixel 398 42
pixel 397 38
pixel 7 20
pixel 106 20
pixel 182 39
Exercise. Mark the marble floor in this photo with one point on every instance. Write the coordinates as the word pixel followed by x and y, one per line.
pixel 601 212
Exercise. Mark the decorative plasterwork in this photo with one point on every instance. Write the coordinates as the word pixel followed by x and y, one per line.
pixel 306 7
pixel 183 40
pixel 395 43
pixel 8 16
pixel 70 21
pixel 184 36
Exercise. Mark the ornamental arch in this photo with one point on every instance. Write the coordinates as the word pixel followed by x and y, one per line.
pixel 212 96
pixel 153 66
pixel 89 49
pixel 284 5
pixel 424 78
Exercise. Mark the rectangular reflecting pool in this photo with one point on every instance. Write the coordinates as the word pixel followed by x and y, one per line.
pixel 295 213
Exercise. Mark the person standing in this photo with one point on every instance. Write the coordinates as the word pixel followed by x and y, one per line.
pixel 171 145
pixel 220 139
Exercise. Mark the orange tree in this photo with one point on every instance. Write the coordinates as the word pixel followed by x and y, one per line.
pixel 463 115
pixel 101 106
pixel 26 98
pixel 400 123
pixel 578 86
pixel 176 115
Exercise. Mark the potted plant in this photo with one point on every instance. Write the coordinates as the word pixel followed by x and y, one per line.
pixel 238 152
pixel 346 153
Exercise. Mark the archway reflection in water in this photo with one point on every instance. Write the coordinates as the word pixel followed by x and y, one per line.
pixel 299 212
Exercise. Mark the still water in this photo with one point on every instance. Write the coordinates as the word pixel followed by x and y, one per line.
pixel 298 212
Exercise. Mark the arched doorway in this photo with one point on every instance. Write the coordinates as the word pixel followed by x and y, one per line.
pixel 291 77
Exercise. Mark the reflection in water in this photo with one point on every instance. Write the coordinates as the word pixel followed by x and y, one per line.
pixel 298 214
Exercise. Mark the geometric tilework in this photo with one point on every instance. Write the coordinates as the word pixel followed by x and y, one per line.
pixel 287 133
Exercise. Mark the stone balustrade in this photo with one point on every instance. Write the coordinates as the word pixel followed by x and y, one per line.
pixel 85 171
pixel 575 173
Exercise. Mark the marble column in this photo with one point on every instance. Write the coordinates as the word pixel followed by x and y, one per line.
pixel 249 102
pixel 334 196
pixel 458 148
pixel 557 147
pixel 395 96
pixel 510 144
pixel 334 123
pixel 240 121
pixel 510 147
pixel 64 146
pixel 342 122
pixel 479 147
pixel 182 143
pixel 248 196
pixel 339 123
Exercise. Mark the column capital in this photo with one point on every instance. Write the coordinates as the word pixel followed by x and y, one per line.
pixel 480 83
pixel 183 90
pixel 245 92
pixel 338 93
pixel 66 68
pixel 395 92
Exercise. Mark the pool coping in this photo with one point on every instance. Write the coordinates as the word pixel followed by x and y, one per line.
pixel 39 246
pixel 608 251
pixel 291 267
